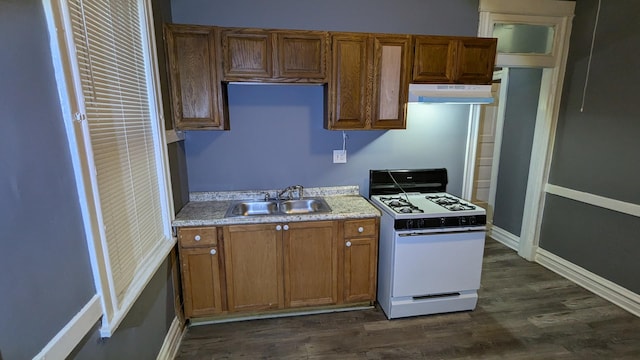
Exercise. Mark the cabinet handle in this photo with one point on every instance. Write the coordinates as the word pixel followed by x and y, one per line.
pixel 197 238
pixel 360 229
pixel 213 251
pixel 278 227
pixel 286 227
pixel 348 244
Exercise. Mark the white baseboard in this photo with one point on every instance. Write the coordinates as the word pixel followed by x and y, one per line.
pixel 600 286
pixel 71 334
pixel 504 237
pixel 172 340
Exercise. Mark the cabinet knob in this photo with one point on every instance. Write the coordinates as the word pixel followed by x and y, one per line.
pixel 286 227
pixel 360 229
pixel 213 251
pixel 348 243
pixel 278 227
pixel 197 238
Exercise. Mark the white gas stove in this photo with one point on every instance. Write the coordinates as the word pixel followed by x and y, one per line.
pixel 431 244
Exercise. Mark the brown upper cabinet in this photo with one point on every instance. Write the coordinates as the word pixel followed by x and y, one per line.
pixel 197 97
pixel 274 55
pixel 368 75
pixel 369 82
pixel 444 59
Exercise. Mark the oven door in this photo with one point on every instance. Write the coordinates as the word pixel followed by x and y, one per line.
pixel 437 263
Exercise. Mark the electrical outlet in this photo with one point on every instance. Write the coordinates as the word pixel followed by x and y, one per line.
pixel 339 156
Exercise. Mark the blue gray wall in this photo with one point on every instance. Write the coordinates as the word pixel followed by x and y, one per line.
pixel 596 151
pixel 276 136
pixel 45 274
pixel 515 152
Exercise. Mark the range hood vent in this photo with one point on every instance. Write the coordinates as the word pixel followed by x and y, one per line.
pixel 450 94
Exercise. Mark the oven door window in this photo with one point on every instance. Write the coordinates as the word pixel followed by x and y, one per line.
pixel 437 263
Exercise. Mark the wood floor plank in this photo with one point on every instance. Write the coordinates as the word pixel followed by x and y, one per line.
pixel 524 312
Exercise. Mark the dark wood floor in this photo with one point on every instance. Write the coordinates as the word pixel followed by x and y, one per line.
pixel 524 312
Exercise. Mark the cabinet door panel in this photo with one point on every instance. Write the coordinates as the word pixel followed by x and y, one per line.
pixel 247 54
pixel 360 269
pixel 349 86
pixel 195 93
pixel 200 281
pixel 310 264
pixel 434 59
pixel 302 55
pixel 253 263
pixel 475 60
pixel 391 82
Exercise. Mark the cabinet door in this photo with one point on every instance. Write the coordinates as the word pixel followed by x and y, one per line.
pixel 349 87
pixel 311 264
pixel 253 264
pixel 247 54
pixel 201 281
pixel 392 63
pixel 359 269
pixel 196 98
pixel 302 56
pixel 360 260
pixel 475 60
pixel 434 59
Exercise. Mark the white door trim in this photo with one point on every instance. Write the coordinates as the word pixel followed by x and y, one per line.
pixel 472 149
pixel 548 105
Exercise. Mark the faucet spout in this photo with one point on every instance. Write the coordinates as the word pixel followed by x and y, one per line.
pixel 290 190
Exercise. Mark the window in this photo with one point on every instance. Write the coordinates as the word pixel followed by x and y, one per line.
pixel 108 88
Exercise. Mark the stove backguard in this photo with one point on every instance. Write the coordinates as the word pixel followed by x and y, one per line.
pixel 381 182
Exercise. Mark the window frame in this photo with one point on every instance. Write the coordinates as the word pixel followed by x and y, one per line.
pixel 72 107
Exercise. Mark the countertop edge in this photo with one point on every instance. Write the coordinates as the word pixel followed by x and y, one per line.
pixel 345 203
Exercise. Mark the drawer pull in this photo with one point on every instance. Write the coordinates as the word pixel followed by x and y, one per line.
pixel 213 251
pixel 348 244
pixel 197 238
pixel 361 229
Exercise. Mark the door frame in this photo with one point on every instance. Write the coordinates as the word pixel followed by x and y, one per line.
pixel 558 14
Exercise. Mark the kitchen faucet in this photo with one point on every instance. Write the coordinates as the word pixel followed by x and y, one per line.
pixel 298 189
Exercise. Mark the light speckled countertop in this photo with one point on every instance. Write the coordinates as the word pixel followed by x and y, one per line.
pixel 209 208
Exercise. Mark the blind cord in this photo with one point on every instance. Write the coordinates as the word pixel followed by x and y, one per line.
pixel 593 40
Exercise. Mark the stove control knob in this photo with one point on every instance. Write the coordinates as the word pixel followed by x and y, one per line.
pixel 472 220
pixel 442 221
pixel 409 224
pixel 463 221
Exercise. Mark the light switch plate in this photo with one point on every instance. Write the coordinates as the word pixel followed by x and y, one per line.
pixel 339 156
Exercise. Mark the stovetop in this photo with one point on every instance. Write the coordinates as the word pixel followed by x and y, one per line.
pixel 425 205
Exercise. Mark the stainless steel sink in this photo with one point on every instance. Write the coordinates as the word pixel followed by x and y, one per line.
pixel 304 206
pixel 249 208
pixel 281 207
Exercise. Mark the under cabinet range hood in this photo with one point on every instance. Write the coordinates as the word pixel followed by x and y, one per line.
pixel 450 94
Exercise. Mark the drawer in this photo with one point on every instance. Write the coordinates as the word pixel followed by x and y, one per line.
pixel 197 236
pixel 361 227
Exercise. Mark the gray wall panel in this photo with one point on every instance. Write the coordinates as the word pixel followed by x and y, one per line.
pixel 45 275
pixel 277 139
pixel 435 17
pixel 596 150
pixel 602 241
pixel 515 153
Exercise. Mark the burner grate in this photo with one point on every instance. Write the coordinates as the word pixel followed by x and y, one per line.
pixel 400 205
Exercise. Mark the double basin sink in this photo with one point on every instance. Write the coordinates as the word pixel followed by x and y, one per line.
pixel 278 207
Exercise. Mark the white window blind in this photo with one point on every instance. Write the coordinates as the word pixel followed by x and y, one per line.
pixel 113 73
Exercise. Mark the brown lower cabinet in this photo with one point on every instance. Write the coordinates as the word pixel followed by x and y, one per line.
pixel 259 268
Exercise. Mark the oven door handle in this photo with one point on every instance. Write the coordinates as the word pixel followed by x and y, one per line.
pixel 441 233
